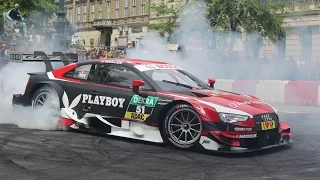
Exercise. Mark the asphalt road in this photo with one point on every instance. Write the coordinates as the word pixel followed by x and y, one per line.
pixel 34 154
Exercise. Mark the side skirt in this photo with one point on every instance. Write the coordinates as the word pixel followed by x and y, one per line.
pixel 115 127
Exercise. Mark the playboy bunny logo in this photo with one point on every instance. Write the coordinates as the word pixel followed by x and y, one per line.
pixel 68 109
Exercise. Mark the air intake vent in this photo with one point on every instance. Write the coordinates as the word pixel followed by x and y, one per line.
pixel 200 95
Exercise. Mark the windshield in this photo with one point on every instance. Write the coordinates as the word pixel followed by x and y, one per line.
pixel 175 79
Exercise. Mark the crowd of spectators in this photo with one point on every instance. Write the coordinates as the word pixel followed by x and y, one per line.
pixel 101 52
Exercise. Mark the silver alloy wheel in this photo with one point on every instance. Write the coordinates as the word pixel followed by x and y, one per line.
pixel 48 99
pixel 40 100
pixel 185 126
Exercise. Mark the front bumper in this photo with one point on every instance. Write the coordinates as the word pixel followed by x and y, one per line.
pixel 231 141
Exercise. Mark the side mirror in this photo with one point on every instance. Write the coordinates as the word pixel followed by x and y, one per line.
pixel 211 82
pixel 136 84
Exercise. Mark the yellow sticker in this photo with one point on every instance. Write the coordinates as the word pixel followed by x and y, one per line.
pixel 268 125
pixel 136 116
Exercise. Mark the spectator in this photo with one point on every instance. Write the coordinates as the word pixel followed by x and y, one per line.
pixel 3 52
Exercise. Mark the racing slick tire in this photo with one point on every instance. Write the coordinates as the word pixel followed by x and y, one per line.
pixel 46 99
pixel 182 126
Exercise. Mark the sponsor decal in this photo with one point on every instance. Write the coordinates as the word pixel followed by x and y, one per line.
pixel 266 117
pixel 164 101
pixel 150 101
pixel 111 62
pixel 165 66
pixel 83 74
pixel 15 57
pixel 205 142
pixel 247 136
pixel 237 104
pixel 149 67
pixel 103 100
pixel 268 125
pixel 242 129
pixel 140 108
pixel 184 146
pixel 182 106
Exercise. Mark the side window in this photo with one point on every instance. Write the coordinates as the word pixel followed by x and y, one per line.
pixel 84 72
pixel 118 75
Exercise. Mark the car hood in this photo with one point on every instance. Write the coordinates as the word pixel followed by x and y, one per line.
pixel 224 101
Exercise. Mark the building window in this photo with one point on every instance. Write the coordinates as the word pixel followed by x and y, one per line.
pixel 79 13
pixel 117 8
pixel 143 7
pixel 108 10
pixel 126 2
pixel 134 7
pixel 134 10
pixel 70 15
pixel 125 12
pixel 117 4
pixel 100 11
pixel 85 13
pixel 92 12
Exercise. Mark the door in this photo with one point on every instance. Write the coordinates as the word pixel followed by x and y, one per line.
pixel 79 91
pixel 121 102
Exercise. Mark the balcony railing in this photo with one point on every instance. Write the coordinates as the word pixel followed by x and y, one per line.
pixel 102 22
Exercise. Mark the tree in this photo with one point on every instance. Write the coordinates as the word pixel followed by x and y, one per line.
pixel 6 5
pixel 251 16
pixel 38 11
pixel 165 17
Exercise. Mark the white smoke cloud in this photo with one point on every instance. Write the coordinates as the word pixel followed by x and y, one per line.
pixel 237 64
pixel 13 79
pixel 192 33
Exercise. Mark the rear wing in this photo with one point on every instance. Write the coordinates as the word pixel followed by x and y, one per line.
pixel 66 58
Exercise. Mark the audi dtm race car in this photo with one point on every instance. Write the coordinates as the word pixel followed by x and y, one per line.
pixel 152 101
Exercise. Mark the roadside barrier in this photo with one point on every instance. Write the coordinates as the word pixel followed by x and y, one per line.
pixel 273 91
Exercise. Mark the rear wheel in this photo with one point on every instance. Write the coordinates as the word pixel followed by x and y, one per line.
pixel 46 96
pixel 182 126
pixel 46 103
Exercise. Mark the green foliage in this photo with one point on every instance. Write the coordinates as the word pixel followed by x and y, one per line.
pixel 166 17
pixel 250 16
pixel 37 8
pixel 39 11
pixel 6 5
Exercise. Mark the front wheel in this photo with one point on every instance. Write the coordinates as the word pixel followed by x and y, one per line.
pixel 182 126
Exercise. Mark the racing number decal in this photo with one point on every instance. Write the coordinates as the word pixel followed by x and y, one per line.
pixel 140 108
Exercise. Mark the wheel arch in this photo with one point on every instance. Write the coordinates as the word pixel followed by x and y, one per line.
pixel 54 85
pixel 165 110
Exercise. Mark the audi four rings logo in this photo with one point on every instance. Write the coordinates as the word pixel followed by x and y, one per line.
pixel 266 117
pixel 15 56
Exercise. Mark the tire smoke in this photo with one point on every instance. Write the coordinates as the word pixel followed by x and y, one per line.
pixel 13 79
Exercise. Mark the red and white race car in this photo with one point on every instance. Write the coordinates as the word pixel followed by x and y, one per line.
pixel 156 102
